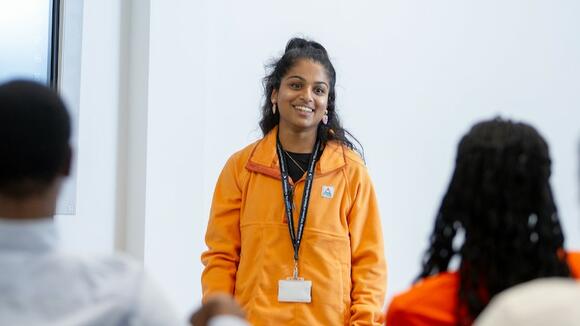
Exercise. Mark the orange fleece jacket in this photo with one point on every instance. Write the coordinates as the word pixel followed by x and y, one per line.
pixel 249 247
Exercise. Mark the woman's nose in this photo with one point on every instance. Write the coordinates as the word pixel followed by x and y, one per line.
pixel 306 94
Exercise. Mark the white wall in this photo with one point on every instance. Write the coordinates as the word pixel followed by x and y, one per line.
pixel 412 77
pixel 177 98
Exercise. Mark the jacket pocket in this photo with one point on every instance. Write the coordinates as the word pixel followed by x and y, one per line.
pixel 323 257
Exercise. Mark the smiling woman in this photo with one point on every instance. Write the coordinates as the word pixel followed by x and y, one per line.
pixel 304 171
pixel 302 100
pixel 310 58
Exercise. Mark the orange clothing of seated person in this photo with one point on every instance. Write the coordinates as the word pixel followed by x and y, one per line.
pixel 433 300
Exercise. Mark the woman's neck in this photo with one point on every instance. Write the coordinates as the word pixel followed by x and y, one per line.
pixel 297 141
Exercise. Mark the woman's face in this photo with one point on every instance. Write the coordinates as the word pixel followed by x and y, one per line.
pixel 303 96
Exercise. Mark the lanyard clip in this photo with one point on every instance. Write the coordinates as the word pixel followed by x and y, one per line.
pixel 295 275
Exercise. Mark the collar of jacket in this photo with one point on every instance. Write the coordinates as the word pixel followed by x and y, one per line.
pixel 265 160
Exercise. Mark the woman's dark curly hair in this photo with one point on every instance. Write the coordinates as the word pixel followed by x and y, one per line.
pixel 500 199
pixel 298 49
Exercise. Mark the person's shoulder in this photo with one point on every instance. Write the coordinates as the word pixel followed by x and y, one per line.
pixel 107 270
pixel 536 291
pixel 117 262
pixel 353 157
pixel 354 166
pixel 432 298
pixel 243 154
pixel 104 276
pixel 116 266
pixel 537 302
pixel 338 151
pixel 121 262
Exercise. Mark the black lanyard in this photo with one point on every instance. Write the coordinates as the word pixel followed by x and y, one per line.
pixel 296 237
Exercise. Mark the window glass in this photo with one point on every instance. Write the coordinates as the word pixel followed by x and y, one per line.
pixel 25 29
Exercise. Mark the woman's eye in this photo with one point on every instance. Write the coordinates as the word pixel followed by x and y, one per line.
pixel 295 86
pixel 320 91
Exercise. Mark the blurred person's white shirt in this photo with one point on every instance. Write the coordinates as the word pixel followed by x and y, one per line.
pixel 545 302
pixel 226 320
pixel 40 285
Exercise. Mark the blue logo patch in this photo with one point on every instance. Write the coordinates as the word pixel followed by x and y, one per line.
pixel 327 191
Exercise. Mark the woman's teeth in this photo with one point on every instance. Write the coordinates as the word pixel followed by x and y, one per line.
pixel 303 108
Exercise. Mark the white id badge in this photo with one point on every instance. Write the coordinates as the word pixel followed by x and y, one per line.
pixel 294 290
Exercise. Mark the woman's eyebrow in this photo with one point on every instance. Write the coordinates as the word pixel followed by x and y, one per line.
pixel 302 79
pixel 290 77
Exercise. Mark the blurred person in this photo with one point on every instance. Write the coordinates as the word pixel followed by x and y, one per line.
pixel 547 301
pixel 294 231
pixel 40 284
pixel 498 218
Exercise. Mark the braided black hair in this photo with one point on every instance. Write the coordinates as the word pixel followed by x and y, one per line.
pixel 500 199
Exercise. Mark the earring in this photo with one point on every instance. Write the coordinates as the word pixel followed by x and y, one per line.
pixel 274 108
pixel 325 117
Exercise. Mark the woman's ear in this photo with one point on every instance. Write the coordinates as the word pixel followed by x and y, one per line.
pixel 274 96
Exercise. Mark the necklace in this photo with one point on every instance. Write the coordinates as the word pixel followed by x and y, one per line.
pixel 294 161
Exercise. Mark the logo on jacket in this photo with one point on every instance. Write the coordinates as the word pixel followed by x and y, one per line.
pixel 327 191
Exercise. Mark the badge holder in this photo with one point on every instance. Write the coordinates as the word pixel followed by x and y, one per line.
pixel 294 289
